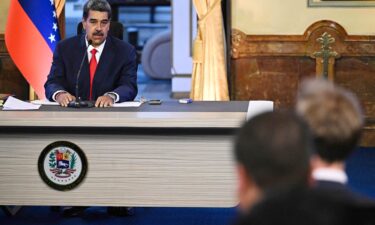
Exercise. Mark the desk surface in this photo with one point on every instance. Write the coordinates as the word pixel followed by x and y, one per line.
pixel 168 115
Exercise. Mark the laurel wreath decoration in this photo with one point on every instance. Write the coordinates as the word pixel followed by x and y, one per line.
pixel 52 160
pixel 73 162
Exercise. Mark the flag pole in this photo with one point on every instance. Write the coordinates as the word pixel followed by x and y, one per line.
pixel 32 94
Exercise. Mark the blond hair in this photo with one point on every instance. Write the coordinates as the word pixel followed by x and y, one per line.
pixel 334 116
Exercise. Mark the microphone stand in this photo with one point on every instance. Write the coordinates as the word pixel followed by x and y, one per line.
pixel 78 103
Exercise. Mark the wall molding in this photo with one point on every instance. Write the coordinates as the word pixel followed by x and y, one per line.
pixel 301 45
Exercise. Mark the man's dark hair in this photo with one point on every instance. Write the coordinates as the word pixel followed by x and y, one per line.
pixel 274 148
pixel 334 116
pixel 97 5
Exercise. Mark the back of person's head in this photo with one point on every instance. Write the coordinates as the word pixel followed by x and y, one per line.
pixel 274 149
pixel 334 116
pixel 96 5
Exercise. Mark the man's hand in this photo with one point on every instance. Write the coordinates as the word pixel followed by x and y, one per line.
pixel 63 98
pixel 104 101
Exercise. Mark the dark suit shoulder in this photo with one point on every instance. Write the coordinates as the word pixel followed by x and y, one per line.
pixel 341 191
pixel 308 207
pixel 71 44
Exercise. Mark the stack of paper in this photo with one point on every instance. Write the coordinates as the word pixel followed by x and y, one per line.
pixel 127 104
pixel 13 103
pixel 258 107
pixel 43 102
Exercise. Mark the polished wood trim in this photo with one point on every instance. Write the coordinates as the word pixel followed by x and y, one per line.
pixel 3 49
pixel 368 134
pixel 244 46
pixel 11 79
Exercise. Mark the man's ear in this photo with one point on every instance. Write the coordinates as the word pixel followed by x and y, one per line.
pixel 248 191
pixel 84 24
pixel 313 159
pixel 244 180
pixel 316 162
pixel 310 178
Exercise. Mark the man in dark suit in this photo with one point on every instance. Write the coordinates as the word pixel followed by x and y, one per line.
pixel 109 72
pixel 336 120
pixel 108 75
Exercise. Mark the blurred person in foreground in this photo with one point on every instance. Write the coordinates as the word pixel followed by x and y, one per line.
pixel 272 152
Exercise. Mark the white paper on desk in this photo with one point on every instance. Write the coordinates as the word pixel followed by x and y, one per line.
pixel 44 102
pixel 13 103
pixel 258 107
pixel 127 104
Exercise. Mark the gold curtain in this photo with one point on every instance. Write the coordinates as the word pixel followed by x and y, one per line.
pixel 209 78
pixel 59 5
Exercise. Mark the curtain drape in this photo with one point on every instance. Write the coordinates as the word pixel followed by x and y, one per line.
pixel 59 5
pixel 209 78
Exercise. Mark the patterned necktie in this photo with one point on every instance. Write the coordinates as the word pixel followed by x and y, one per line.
pixel 93 64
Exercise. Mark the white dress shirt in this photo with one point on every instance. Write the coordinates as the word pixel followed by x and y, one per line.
pixel 99 50
pixel 329 174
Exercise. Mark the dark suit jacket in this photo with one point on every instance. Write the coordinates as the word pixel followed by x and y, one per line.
pixel 341 191
pixel 307 207
pixel 116 70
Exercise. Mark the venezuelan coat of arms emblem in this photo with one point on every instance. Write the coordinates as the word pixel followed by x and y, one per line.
pixel 62 165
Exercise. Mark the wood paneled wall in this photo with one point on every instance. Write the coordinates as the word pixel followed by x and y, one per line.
pixel 11 80
pixel 271 67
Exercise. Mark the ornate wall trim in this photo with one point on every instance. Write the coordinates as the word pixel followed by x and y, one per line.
pixel 301 45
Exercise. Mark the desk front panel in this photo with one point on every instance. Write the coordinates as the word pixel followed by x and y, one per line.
pixel 165 168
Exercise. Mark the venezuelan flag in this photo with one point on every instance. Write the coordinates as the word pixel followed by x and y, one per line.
pixel 31 36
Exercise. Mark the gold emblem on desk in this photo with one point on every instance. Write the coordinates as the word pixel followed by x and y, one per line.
pixel 62 165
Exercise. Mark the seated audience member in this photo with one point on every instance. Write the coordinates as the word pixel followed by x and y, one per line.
pixel 272 152
pixel 335 119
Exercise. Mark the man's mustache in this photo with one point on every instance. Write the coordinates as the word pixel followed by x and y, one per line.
pixel 98 33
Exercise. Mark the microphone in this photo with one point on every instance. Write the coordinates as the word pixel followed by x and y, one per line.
pixel 78 103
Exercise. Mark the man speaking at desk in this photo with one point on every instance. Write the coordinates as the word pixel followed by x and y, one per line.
pixel 104 66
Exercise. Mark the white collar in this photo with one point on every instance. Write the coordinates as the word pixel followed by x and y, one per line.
pixel 99 48
pixel 329 174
